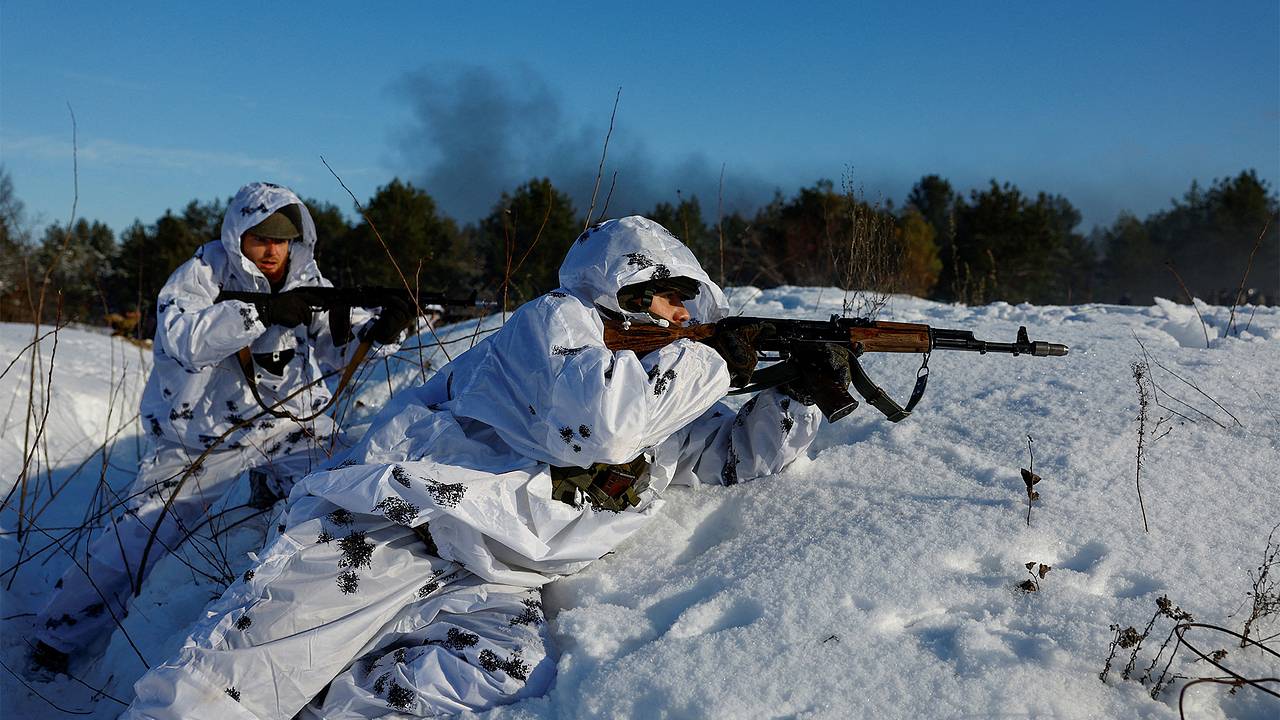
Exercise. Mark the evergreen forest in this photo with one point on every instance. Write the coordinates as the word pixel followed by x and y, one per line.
pixel 1219 242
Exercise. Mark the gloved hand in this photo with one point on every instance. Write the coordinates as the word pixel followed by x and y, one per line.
pixel 284 309
pixel 820 365
pixel 738 348
pixel 396 315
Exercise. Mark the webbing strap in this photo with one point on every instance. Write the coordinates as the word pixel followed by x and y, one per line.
pixel 877 397
pixel 246 366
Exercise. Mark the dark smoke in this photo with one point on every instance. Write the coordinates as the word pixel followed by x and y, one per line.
pixel 475 135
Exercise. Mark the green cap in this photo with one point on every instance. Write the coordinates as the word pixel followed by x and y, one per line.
pixel 277 226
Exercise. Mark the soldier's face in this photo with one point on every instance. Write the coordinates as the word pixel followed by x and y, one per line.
pixel 271 256
pixel 669 306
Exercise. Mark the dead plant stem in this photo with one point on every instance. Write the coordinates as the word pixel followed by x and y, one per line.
pixel 603 154
pixel 1169 265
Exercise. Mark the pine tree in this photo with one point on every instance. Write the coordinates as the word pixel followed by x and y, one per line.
pixel 525 238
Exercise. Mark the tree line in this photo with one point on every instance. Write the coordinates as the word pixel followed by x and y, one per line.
pixel 993 243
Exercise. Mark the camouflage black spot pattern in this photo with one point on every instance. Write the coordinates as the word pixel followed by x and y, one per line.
pixel 729 473
pixel 513 666
pixel 348 582
pixel 458 640
pixel 532 614
pixel 396 510
pixel 446 494
pixel 638 260
pixel 660 385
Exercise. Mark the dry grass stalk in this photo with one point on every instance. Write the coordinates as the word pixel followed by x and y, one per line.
pixel 720 221
pixel 1244 279
pixel 1265 594
pixel 385 248
pixel 1139 376
pixel 1157 390
pixel 1030 479
pixel 1190 300
pixel 603 154
pixel 867 259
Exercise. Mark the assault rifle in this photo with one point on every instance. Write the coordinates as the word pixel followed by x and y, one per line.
pixel 339 301
pixel 783 338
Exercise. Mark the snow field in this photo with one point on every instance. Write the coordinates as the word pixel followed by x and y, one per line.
pixel 877 578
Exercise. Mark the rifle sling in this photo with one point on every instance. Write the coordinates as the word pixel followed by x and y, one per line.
pixel 784 372
pixel 246 366
pixel 876 396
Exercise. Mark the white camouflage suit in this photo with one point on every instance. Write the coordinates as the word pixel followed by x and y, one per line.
pixel 407 579
pixel 196 392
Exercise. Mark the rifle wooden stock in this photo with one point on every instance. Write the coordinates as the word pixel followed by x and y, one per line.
pixel 643 339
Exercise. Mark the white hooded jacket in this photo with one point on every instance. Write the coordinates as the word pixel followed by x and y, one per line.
pixel 196 390
pixel 469 453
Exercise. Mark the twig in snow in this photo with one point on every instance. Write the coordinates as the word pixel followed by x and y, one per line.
pixel 1169 266
pixel 1126 639
pixel 1231 320
pixel 1139 373
pixel 1266 587
pixel 1030 478
pixel 1037 574
pixel 1195 387
pixel 1156 390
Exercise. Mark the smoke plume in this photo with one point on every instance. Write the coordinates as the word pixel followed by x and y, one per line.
pixel 474 135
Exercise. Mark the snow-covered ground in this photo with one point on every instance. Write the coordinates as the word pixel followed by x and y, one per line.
pixel 876 579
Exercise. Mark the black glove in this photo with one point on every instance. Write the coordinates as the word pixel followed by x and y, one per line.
pixel 396 315
pixel 738 348
pixel 285 310
pixel 820 365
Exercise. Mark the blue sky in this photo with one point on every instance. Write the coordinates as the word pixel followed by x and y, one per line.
pixel 1115 105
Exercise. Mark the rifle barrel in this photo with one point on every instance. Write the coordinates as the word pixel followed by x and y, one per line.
pixel 946 339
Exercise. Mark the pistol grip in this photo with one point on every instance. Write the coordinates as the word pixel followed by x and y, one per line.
pixel 832 398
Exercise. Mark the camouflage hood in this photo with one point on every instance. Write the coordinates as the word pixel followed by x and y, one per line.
pixel 253 203
pixel 617 253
